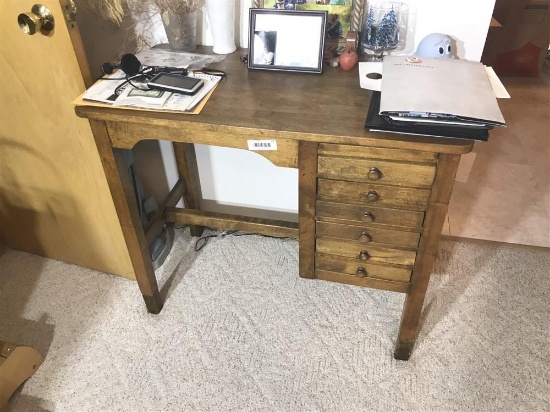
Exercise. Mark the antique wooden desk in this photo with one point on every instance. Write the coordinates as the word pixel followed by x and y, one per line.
pixel 371 205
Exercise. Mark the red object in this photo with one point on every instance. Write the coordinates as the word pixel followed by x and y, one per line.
pixel 521 62
pixel 348 60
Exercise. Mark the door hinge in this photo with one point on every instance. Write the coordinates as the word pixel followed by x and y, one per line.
pixel 69 12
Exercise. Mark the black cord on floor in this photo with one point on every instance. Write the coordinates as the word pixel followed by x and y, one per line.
pixel 203 240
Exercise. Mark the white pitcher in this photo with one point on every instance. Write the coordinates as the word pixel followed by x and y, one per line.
pixel 221 14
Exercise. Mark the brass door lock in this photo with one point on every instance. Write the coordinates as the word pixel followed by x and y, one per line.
pixel 39 19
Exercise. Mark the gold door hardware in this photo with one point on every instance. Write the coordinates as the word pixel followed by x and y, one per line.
pixel 39 19
pixel 70 14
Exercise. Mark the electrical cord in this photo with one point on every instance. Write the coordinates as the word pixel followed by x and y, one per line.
pixel 211 72
pixel 203 240
pixel 148 73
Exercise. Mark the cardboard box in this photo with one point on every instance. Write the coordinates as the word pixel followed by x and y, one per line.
pixel 520 45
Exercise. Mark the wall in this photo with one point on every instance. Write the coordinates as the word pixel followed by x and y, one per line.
pixel 466 21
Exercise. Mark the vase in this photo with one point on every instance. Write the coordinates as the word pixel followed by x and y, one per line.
pixel 181 30
pixel 221 14
pixel 382 28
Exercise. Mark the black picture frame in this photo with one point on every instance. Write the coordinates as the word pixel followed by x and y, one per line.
pixel 286 40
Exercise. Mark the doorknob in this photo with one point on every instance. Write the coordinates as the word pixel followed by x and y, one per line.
pixel 39 19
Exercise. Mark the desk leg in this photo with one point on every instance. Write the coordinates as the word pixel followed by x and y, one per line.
pixel 427 253
pixel 188 170
pixel 122 191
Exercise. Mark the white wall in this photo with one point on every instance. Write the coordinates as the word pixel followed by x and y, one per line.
pixel 233 178
pixel 466 21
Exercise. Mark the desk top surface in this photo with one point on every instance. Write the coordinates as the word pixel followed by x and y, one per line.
pixel 330 107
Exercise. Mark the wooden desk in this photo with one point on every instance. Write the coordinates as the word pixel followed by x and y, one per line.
pixel 371 205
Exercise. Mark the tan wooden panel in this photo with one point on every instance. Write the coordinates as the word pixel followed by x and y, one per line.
pixel 349 266
pixel 401 287
pixel 327 149
pixel 365 235
pixel 388 196
pixel 391 173
pixel 342 212
pixel 54 198
pixel 375 253
pixel 247 224
pixel 126 134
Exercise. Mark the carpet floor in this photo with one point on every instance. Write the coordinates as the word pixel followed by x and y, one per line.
pixel 241 331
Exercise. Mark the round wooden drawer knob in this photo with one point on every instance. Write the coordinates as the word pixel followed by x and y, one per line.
pixel 364 255
pixel 372 196
pixel 361 272
pixel 374 174
pixel 364 237
pixel 368 217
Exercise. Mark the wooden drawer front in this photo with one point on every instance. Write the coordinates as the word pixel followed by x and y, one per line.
pixel 385 196
pixel 366 235
pixel 366 282
pixel 398 155
pixel 379 171
pixel 363 214
pixel 369 253
pixel 352 266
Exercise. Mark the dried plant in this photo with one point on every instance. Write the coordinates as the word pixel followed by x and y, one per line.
pixel 111 10
pixel 114 10
pixel 178 7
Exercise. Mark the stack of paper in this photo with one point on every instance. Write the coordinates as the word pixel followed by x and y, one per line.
pixel 119 92
pixel 438 97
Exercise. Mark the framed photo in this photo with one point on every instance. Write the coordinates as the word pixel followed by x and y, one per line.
pixel 349 12
pixel 289 40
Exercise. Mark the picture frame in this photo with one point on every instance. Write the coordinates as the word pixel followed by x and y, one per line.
pixel 356 13
pixel 287 40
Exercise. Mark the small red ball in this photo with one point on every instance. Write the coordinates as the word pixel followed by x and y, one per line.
pixel 348 60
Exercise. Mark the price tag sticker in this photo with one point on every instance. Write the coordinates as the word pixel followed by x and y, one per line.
pixel 262 144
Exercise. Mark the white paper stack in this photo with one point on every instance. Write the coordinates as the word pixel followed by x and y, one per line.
pixel 438 91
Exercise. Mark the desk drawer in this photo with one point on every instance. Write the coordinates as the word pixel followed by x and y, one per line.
pixel 373 194
pixel 371 152
pixel 376 170
pixel 360 269
pixel 366 234
pixel 369 214
pixel 368 282
pixel 366 252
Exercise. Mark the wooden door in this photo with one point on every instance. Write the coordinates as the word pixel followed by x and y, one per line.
pixel 54 198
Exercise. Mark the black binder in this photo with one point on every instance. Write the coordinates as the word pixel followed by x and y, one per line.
pixel 375 122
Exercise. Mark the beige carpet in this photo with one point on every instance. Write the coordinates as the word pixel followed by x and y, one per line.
pixel 241 331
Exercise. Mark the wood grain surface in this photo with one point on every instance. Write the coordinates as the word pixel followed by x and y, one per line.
pixel 327 108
